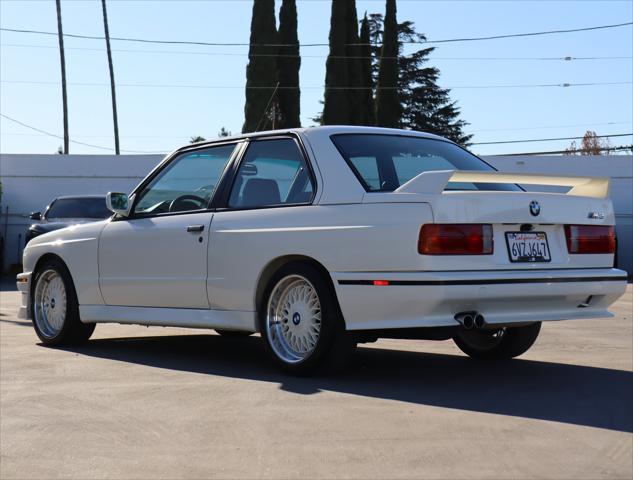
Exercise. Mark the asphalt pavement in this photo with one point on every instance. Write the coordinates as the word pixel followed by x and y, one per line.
pixel 139 402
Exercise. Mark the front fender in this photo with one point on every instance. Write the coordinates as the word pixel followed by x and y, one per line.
pixel 77 246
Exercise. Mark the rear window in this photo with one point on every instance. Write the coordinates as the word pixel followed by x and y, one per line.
pixel 78 208
pixel 384 162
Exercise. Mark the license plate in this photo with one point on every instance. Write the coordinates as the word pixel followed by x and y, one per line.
pixel 528 247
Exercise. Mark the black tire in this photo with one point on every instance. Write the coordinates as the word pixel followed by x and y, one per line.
pixel 233 333
pixel 512 342
pixel 333 345
pixel 73 331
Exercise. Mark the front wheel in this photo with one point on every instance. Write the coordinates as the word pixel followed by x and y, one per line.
pixel 55 307
pixel 502 343
pixel 300 321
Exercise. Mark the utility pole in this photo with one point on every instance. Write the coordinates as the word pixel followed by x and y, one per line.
pixel 115 120
pixel 60 34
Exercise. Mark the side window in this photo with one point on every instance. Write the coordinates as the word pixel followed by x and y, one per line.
pixel 187 184
pixel 272 172
pixel 368 169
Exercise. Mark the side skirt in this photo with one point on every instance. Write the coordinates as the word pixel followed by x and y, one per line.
pixel 169 317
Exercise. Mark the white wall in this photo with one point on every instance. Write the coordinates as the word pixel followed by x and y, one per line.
pixel 30 182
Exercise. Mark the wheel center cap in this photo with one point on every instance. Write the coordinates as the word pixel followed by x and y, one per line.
pixel 52 303
pixel 296 318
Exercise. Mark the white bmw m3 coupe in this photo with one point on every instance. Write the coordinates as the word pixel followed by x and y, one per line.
pixel 321 238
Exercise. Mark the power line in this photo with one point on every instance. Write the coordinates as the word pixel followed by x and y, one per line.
pixel 44 132
pixel 343 57
pixel 611 149
pixel 553 152
pixel 239 44
pixel 543 127
pixel 311 87
pixel 550 139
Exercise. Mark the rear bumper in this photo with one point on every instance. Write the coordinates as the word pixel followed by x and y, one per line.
pixel 23 281
pixel 431 299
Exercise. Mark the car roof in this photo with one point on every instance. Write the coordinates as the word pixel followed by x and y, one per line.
pixel 321 130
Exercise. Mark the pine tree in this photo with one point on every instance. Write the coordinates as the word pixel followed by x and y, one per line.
pixel 367 114
pixel 336 106
pixel 387 98
pixel 261 70
pixel 425 106
pixel 288 64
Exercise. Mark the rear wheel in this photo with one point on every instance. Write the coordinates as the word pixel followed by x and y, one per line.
pixel 502 343
pixel 55 308
pixel 300 321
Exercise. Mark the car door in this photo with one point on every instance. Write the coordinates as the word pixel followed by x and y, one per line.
pixel 157 257
pixel 272 190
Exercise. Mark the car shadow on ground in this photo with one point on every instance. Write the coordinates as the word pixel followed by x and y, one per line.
pixel 21 323
pixel 574 394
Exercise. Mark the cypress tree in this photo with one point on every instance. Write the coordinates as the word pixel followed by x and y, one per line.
pixel 288 64
pixel 367 114
pixel 387 97
pixel 261 70
pixel 353 52
pixel 336 106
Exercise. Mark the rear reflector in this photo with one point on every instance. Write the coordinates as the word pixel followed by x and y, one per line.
pixel 455 239
pixel 590 239
pixel 381 283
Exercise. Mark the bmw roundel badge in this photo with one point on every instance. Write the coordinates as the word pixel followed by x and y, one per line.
pixel 535 208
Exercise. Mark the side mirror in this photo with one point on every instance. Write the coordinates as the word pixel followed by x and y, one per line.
pixel 36 216
pixel 118 203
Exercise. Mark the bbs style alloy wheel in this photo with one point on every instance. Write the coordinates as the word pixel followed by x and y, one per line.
pixel 300 321
pixel 54 306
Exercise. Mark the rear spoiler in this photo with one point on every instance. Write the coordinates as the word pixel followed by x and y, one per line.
pixel 436 181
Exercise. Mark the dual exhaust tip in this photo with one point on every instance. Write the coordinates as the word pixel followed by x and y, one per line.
pixel 470 320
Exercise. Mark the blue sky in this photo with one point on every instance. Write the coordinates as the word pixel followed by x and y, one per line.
pixel 159 119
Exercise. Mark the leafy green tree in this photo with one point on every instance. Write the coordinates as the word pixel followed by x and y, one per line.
pixel 196 139
pixel 261 72
pixel 388 109
pixel 224 133
pixel 288 64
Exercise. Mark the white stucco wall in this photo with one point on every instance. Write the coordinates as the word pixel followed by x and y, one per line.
pixel 30 182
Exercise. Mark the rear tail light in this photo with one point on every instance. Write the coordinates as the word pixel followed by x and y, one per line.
pixel 455 239
pixel 590 239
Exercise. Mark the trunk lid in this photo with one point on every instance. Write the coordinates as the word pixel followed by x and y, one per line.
pixel 510 212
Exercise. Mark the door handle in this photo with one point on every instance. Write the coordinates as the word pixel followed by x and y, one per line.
pixel 195 228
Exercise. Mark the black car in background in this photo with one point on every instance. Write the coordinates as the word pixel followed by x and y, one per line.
pixel 65 211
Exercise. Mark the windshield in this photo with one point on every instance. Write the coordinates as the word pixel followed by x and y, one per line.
pixel 88 207
pixel 384 162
